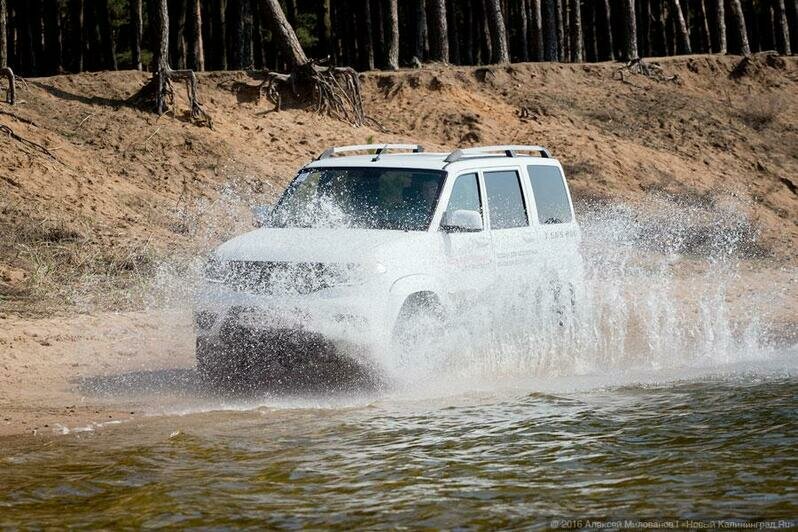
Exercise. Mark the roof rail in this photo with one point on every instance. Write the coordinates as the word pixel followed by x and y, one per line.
pixel 377 148
pixel 509 150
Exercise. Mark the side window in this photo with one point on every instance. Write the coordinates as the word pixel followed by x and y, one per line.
pixel 465 194
pixel 551 198
pixel 505 201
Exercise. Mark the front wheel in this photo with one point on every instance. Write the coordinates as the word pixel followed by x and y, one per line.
pixel 420 324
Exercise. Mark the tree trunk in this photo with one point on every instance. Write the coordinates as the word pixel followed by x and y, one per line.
pixel 220 33
pixel 720 22
pixel 681 27
pixel 498 33
pixel 577 39
pixel 523 31
pixel 451 24
pixel 177 26
pixel 245 16
pixel 3 34
pixel 608 25
pixel 591 40
pixel 392 59
pixel 26 56
pixel 550 51
pixel 325 28
pixel 486 48
pixel 368 35
pixel 283 33
pixel 739 19
pixel 136 24
pixel 439 49
pixel 52 37
pixel 559 16
pixel 536 29
pixel 645 31
pixel 631 30
pixel 75 36
pixel 783 27
pixel 107 43
pixel 566 24
pixel 468 35
pixel 705 26
pixel 422 39
pixel 162 25
pixel 196 48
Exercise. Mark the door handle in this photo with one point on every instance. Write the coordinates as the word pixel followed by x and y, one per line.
pixel 481 243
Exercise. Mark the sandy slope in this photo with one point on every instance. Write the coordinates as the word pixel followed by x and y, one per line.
pixel 124 187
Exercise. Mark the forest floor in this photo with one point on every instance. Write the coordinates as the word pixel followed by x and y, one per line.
pixel 104 193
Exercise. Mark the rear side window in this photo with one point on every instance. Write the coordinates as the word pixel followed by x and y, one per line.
pixel 551 197
pixel 505 201
pixel 465 194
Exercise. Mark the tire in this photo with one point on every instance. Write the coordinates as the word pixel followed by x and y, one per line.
pixel 420 324
pixel 211 367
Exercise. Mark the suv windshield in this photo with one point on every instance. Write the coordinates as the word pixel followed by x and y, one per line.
pixel 368 198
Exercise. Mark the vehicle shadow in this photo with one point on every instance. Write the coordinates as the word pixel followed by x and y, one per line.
pixel 174 381
pixel 188 382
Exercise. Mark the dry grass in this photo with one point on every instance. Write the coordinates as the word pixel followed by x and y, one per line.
pixel 761 110
pixel 62 259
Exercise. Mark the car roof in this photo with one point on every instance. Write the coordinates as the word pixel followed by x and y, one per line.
pixel 429 161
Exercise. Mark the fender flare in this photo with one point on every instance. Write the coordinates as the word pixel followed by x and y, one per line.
pixel 405 286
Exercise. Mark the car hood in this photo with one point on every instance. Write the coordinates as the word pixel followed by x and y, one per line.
pixel 306 245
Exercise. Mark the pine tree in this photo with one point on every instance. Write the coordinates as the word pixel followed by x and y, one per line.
pixel 136 28
pixel 551 50
pixel 3 34
pixel 608 25
pixel 536 29
pixel 577 39
pixel 631 30
pixel 742 33
pixel 498 33
pixel 392 58
pixel 196 49
pixel 681 27
pixel 784 28
pixel 422 31
pixel 720 22
pixel 439 41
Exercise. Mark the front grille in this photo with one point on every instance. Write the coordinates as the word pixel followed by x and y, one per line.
pixel 280 278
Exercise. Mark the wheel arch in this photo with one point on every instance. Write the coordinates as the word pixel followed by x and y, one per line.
pixel 418 287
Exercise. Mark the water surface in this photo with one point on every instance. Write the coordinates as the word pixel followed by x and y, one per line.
pixel 718 445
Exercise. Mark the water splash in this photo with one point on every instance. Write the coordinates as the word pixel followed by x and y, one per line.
pixel 665 285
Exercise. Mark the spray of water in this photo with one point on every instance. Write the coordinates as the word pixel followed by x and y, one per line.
pixel 665 287
pixel 660 290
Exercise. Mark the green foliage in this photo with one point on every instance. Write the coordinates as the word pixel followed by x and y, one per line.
pixel 306 26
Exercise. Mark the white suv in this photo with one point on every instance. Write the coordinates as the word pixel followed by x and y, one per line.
pixel 360 249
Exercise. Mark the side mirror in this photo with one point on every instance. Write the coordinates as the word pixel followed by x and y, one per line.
pixel 462 221
pixel 261 215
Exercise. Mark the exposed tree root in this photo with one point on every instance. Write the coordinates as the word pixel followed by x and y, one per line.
pixel 29 143
pixel 332 91
pixel 11 92
pixel 641 68
pixel 160 92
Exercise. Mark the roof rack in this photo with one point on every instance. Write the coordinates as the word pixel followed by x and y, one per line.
pixel 377 148
pixel 509 150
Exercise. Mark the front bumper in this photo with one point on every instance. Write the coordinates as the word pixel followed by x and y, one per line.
pixel 349 314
